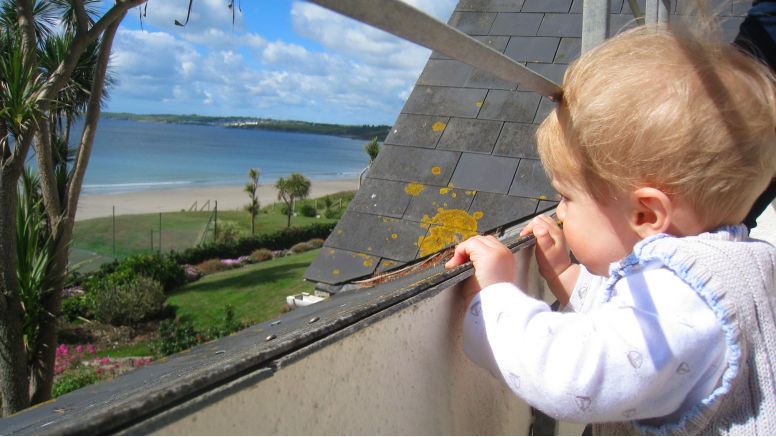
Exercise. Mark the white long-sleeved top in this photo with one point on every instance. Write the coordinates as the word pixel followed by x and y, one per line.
pixel 653 350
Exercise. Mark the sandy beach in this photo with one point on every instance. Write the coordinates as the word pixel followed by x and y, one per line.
pixel 228 197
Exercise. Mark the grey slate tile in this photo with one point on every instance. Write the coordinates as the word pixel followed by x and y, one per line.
pixel 377 236
pixel 333 266
pixel 497 43
pixel 517 106
pixel 561 25
pixel 554 72
pixel 516 24
pixel 730 27
pixel 428 203
pixel 484 173
pixel 531 181
pixel 545 205
pixel 490 5
pixel 470 135
pixel 545 107
pixel 499 209
pixel 414 165
pixel 546 6
pixel 387 264
pixel 417 130
pixel 568 50
pixel 473 23
pixel 626 9
pixel 532 49
pixel 517 140
pixel 615 6
pixel 483 79
pixel 444 101
pixel 381 197
pixel 444 72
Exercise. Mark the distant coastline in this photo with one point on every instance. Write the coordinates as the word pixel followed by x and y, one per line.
pixel 365 132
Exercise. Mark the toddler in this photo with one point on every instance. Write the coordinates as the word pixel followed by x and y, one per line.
pixel 659 147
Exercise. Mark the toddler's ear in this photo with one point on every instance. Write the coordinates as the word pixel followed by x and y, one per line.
pixel 652 212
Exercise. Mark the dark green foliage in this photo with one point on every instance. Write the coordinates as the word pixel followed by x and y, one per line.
pixel 123 299
pixel 228 324
pixel 316 243
pixel 282 239
pixel 161 268
pixel 75 306
pixel 330 213
pixel 308 210
pixel 70 382
pixel 174 336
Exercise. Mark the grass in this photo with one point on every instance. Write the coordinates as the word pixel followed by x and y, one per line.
pixel 92 243
pixel 257 292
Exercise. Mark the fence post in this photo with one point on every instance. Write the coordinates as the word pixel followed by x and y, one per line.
pixel 160 232
pixel 215 222
pixel 152 240
pixel 114 232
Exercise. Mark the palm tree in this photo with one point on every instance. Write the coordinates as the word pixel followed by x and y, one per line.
pixel 372 148
pixel 37 92
pixel 295 186
pixel 250 188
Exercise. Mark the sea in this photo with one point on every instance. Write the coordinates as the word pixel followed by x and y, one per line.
pixel 134 156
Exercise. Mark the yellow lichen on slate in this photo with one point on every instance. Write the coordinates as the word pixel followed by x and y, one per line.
pixel 438 126
pixel 451 226
pixel 368 260
pixel 443 190
pixel 478 104
pixel 335 272
pixel 436 170
pixel 413 189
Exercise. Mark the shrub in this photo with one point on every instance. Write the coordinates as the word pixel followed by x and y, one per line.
pixel 282 239
pixel 260 255
pixel 74 381
pixel 301 247
pixel 331 213
pixel 228 324
pixel 308 210
pixel 161 268
pixel 316 243
pixel 174 336
pixel 211 266
pixel 75 306
pixel 227 234
pixel 192 272
pixel 122 301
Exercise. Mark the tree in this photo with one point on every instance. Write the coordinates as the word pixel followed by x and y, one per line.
pixel 295 186
pixel 38 92
pixel 250 188
pixel 372 148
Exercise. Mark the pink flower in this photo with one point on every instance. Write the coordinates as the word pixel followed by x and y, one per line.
pixel 105 360
pixel 148 361
pixel 138 364
pixel 90 348
pixel 98 371
pixel 79 349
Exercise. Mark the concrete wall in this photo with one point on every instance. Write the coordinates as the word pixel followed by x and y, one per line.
pixel 404 374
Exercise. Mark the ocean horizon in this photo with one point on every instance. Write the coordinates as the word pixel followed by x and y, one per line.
pixel 135 156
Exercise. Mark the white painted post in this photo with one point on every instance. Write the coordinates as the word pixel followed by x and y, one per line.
pixel 657 12
pixel 595 23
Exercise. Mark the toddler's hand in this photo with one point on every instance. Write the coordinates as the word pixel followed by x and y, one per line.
pixel 493 263
pixel 552 256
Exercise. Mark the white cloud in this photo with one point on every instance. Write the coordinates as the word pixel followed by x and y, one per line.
pixel 364 75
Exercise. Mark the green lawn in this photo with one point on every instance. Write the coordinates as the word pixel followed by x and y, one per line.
pixel 93 241
pixel 257 292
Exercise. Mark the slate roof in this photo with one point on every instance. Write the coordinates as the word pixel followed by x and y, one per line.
pixel 461 158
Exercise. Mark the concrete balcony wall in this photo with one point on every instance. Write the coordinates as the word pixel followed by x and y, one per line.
pixel 401 374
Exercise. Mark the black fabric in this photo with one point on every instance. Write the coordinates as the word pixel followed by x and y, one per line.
pixel 757 35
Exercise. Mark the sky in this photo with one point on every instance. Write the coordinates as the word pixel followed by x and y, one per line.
pixel 282 59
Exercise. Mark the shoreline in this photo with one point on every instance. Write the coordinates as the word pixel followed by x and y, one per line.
pixel 229 197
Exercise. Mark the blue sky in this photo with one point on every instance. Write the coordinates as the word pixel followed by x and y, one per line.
pixel 282 59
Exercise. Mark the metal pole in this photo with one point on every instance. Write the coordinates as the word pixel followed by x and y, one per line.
pixel 595 23
pixel 215 223
pixel 152 240
pixel 160 232
pixel 114 231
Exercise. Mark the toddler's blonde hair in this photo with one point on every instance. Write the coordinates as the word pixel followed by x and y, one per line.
pixel 693 118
